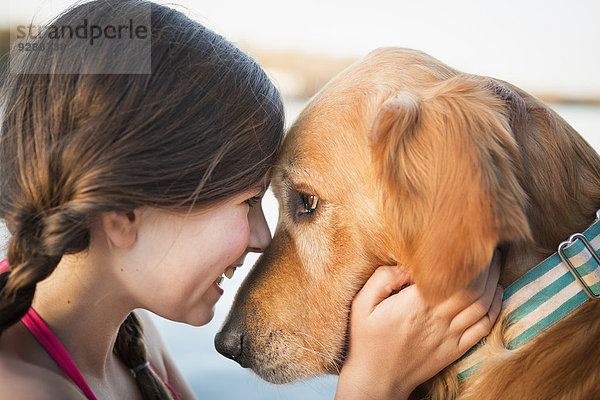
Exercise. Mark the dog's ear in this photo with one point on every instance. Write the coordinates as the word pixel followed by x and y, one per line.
pixel 449 168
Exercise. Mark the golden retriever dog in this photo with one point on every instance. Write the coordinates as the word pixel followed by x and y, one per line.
pixel 402 160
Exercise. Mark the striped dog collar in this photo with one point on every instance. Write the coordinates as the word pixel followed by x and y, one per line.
pixel 546 294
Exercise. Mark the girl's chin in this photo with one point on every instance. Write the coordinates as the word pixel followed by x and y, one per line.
pixel 202 317
pixel 202 312
pixel 201 321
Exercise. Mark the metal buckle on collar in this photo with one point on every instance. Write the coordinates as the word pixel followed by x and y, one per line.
pixel 571 267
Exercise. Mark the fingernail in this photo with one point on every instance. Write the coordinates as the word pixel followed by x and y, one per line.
pixel 496 257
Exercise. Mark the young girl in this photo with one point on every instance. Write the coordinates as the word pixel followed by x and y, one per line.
pixel 137 191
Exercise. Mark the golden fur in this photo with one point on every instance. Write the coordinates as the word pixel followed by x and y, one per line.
pixel 417 164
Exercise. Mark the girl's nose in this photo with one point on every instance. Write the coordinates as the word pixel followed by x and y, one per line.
pixel 260 235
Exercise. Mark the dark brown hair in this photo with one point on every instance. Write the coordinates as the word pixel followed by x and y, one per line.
pixel 205 124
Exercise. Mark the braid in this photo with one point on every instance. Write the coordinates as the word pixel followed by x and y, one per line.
pixel 14 308
pixel 28 267
pixel 18 287
pixel 35 249
pixel 130 348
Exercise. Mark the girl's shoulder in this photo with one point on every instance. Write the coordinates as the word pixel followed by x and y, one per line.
pixel 22 380
pixel 26 374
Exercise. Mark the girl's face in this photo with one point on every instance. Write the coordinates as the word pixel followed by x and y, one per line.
pixel 173 267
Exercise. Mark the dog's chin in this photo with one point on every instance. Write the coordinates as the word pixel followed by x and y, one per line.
pixel 284 362
pixel 284 374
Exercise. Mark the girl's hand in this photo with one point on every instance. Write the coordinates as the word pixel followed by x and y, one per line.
pixel 398 341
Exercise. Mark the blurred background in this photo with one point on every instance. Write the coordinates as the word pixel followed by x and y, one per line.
pixel 549 48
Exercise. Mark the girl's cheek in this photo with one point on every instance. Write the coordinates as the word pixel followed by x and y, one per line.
pixel 239 236
pixel 244 236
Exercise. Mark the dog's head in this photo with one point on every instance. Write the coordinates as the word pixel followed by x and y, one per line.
pixel 399 160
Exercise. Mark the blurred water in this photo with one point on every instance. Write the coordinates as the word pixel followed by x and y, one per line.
pixel 215 377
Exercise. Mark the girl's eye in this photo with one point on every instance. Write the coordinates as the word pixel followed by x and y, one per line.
pixel 253 201
pixel 309 203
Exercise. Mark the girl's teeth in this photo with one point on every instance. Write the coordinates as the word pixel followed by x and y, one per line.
pixel 229 272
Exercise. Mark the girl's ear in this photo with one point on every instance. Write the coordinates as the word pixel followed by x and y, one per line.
pixel 448 166
pixel 120 227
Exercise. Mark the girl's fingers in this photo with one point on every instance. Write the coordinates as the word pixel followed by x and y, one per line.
pixel 474 333
pixel 384 281
pixel 475 300
pixel 481 307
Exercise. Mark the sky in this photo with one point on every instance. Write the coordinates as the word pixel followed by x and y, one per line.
pixel 550 46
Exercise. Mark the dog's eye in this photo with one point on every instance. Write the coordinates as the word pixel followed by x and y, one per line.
pixel 309 203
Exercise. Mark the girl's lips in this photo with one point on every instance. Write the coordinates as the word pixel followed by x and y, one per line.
pixel 229 271
pixel 217 287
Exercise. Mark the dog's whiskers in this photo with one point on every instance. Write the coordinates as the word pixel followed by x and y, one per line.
pixel 332 359
pixel 323 355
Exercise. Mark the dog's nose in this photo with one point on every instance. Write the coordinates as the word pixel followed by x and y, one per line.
pixel 229 344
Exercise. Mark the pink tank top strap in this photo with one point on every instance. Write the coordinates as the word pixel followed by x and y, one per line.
pixel 50 343
pixel 4 266
pixel 172 389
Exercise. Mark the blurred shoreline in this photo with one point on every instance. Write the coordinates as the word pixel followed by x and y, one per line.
pixel 300 74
